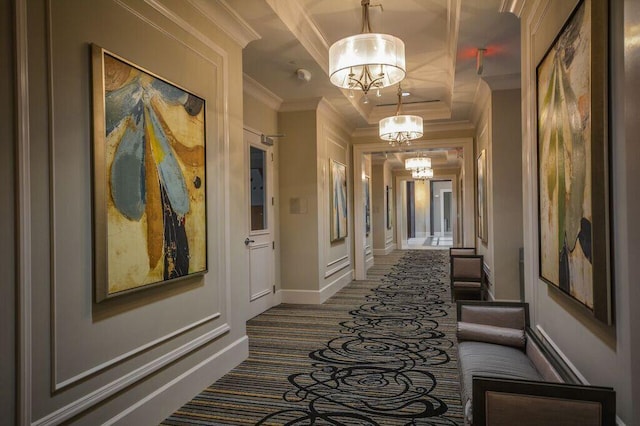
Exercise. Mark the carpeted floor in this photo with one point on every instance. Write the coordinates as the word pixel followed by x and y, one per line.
pixel 380 352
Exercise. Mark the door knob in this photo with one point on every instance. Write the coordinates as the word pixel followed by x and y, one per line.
pixel 247 241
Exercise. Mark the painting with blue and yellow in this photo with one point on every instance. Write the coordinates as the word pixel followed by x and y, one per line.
pixel 155 178
pixel 338 201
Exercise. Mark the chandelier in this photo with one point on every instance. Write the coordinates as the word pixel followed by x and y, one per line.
pixel 426 173
pixel 416 163
pixel 367 60
pixel 400 129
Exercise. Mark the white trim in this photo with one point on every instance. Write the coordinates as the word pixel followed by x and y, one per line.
pixel 316 297
pixel 302 26
pixel 259 295
pixel 306 104
pixel 227 19
pixel 87 401
pixel 333 262
pixel 219 363
pixel 336 269
pixel 325 107
pixel 23 181
pixel 131 353
pixel 562 355
pixel 256 90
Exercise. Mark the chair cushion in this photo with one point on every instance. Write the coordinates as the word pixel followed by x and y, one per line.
pixel 466 267
pixel 491 334
pixel 488 359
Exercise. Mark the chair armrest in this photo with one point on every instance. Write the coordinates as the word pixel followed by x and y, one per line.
pixel 499 401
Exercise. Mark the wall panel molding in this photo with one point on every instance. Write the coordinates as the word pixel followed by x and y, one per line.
pixel 102 393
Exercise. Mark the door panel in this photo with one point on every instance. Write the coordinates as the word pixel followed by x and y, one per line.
pixel 260 242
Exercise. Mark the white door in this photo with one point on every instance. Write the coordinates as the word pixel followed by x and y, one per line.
pixel 259 240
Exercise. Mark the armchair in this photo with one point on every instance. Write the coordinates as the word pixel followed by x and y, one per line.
pixel 467 276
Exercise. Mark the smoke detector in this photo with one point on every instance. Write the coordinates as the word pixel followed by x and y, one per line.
pixel 303 74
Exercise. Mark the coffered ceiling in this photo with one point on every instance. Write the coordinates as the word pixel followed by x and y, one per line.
pixel 441 40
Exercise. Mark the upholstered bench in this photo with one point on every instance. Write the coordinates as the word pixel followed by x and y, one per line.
pixel 510 376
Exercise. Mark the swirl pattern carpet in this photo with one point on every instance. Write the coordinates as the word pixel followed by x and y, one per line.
pixel 379 352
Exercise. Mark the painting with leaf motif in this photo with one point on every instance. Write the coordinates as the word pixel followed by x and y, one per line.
pixel 572 161
pixel 149 178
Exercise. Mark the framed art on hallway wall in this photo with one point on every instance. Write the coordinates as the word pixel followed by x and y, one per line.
pixel 367 205
pixel 483 222
pixel 573 176
pixel 338 200
pixel 149 200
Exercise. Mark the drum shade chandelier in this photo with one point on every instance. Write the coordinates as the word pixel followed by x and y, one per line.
pixel 366 60
pixel 415 163
pixel 426 173
pixel 400 129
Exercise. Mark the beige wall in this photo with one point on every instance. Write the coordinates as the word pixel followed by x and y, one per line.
pixel 299 248
pixel 506 193
pixel 499 135
pixel 600 355
pixel 383 238
pixel 336 258
pixel 137 357
pixel 313 138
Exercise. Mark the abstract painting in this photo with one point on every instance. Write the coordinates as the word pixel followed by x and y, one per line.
pixel 338 200
pixel 389 206
pixel 367 205
pixel 149 178
pixel 572 161
pixel 483 222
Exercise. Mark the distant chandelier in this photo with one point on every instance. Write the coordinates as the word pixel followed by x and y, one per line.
pixel 400 129
pixel 367 60
pixel 416 163
pixel 426 173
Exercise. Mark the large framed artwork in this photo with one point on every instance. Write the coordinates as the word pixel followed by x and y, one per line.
pixel 367 205
pixel 338 200
pixel 149 187
pixel 573 177
pixel 389 200
pixel 483 221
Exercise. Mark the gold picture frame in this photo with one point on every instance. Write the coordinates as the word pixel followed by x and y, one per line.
pixel 149 178
pixel 573 158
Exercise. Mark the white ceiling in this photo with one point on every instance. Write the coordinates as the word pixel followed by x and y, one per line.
pixel 441 40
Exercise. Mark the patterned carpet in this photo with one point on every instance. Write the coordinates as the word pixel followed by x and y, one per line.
pixel 380 352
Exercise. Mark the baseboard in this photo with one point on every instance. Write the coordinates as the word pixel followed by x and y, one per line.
pixel 317 297
pixel 161 403
pixel 368 263
pixel 385 251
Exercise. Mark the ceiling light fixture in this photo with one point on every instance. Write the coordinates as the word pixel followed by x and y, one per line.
pixel 400 129
pixel 415 163
pixel 422 173
pixel 367 60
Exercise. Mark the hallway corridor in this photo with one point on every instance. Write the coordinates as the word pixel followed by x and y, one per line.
pixel 379 352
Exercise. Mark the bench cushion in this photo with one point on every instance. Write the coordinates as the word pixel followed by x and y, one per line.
pixel 488 359
pixel 468 331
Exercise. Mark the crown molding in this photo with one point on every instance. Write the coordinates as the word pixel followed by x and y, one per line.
pixel 252 88
pixel 512 6
pixel 298 21
pixel 480 100
pixel 307 104
pixel 227 19
pixel 325 107
pixel 503 82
